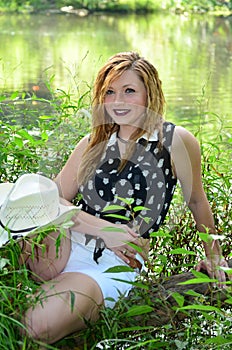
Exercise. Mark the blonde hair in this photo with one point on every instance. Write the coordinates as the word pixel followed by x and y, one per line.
pixel 102 124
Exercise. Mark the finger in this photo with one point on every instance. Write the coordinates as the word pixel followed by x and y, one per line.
pixel 124 257
pixel 222 278
pixel 131 254
pixel 132 232
pixel 201 266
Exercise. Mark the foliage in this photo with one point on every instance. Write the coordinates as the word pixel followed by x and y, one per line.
pixel 138 6
pixel 37 135
pixel 35 142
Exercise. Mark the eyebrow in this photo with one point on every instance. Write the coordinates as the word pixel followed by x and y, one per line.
pixel 124 86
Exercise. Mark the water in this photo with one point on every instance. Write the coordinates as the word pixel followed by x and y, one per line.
pixel 192 54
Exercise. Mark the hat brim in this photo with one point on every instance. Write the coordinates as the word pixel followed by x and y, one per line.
pixel 5 188
pixel 65 214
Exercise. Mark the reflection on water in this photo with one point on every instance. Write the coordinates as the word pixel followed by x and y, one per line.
pixel 193 55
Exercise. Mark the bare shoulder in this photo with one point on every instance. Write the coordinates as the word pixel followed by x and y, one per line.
pixel 75 158
pixel 182 138
pixel 180 133
pixel 82 144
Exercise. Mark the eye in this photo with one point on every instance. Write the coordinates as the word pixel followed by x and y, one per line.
pixel 109 92
pixel 129 90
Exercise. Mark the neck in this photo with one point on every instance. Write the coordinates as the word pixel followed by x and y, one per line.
pixel 121 139
pixel 125 132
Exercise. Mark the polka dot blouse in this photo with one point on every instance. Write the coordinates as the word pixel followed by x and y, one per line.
pixel 146 181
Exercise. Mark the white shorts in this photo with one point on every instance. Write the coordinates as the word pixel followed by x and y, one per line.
pixel 81 260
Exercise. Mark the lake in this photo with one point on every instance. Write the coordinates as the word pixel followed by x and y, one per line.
pixel 193 55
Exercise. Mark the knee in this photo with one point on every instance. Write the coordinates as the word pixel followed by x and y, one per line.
pixel 35 327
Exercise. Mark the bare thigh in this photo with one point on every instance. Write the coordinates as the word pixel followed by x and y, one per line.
pixel 47 259
pixel 64 305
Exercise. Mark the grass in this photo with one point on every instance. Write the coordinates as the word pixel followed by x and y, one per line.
pixel 37 135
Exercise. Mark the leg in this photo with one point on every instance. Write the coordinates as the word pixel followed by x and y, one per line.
pixel 62 309
pixel 42 260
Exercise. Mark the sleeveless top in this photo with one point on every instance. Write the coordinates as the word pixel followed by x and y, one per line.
pixel 146 180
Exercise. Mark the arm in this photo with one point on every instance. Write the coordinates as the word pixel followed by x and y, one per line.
pixel 85 223
pixel 187 166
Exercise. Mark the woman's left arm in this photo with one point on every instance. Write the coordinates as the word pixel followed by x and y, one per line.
pixel 186 158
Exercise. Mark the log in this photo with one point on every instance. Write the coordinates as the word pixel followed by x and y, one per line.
pixel 161 296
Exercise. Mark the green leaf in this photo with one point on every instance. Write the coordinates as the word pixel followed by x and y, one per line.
pixel 160 234
pixel 178 298
pixel 137 248
pixel 128 201
pixel 44 136
pixel 199 274
pixel 24 134
pixel 72 297
pixel 134 284
pixel 198 280
pixel 181 345
pixel 118 217
pixel 205 237
pixel 46 117
pixel 119 268
pixel 138 310
pixel 18 142
pixel 200 308
pixel 225 269
pixel 3 262
pixel 2 98
pixel 193 293
pixel 134 328
pixel 14 95
pixel 219 340
pixel 113 207
pixel 67 224
pixel 147 219
pixel 113 229
pixel 140 208
pixel 228 301
pixel 181 251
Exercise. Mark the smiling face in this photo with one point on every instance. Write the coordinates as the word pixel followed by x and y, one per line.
pixel 126 98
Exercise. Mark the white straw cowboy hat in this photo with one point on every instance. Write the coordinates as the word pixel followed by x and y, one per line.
pixel 30 205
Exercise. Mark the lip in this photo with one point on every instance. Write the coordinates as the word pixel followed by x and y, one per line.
pixel 121 112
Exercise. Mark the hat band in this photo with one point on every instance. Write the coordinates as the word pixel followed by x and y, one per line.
pixel 17 231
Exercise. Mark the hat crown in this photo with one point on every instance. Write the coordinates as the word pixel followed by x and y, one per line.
pixel 33 201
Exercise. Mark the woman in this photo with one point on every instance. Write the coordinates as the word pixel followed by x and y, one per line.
pixel 131 154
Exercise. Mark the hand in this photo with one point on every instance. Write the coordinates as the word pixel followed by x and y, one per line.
pixel 212 267
pixel 127 251
pixel 116 236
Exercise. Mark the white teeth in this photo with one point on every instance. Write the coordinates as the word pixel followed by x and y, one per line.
pixel 121 111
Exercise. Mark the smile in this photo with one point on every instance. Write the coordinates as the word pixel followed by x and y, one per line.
pixel 121 112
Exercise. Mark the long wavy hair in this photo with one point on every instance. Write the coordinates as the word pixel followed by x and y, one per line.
pixel 103 125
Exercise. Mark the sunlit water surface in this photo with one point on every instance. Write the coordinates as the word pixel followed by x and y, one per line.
pixel 192 54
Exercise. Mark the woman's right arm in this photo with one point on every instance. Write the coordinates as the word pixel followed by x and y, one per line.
pixel 67 180
pixel 67 183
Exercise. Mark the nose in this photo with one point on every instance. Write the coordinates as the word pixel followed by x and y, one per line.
pixel 118 97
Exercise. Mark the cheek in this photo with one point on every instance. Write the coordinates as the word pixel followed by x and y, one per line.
pixel 108 99
pixel 143 101
pixel 107 107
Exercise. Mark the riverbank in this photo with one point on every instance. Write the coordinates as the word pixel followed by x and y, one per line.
pixel 85 8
